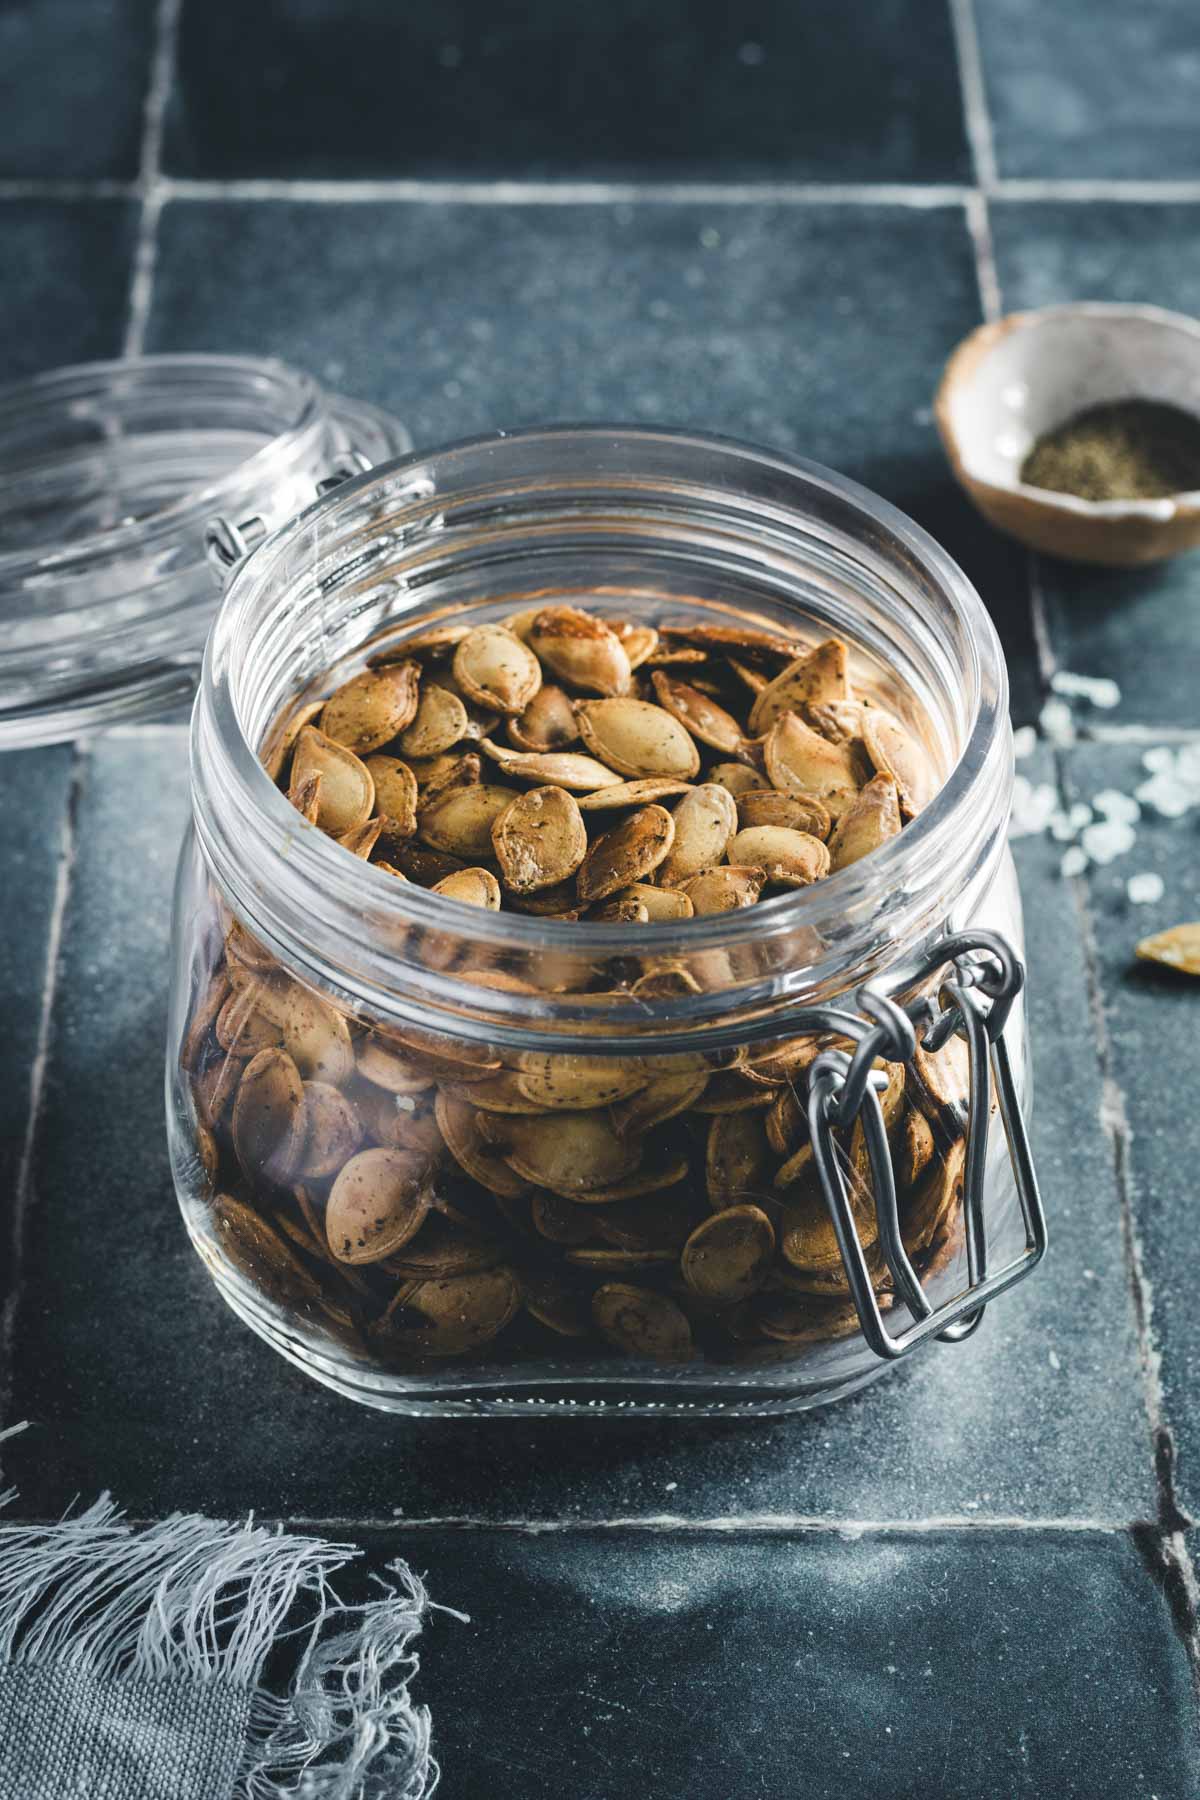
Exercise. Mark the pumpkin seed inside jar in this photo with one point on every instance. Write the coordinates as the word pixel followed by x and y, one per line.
pixel 421 1197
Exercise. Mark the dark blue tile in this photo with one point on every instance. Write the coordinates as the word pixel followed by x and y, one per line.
pixel 37 785
pixel 137 1377
pixel 73 80
pixel 347 87
pixel 1092 87
pixel 955 1665
pixel 65 293
pixel 1137 625
pixel 1152 1018
pixel 820 330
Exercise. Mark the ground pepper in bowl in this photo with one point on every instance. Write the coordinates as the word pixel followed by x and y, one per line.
pixel 1122 450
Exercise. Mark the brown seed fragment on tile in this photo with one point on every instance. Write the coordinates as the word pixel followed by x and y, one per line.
pixel 1176 948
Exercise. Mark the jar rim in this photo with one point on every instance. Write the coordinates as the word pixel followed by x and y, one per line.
pixel 306 861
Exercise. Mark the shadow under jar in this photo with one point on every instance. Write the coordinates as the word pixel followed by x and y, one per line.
pixel 456 1159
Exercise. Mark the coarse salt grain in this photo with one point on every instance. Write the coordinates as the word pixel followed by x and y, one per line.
pixel 1145 889
pixel 1167 795
pixel 1097 689
pixel 1056 722
pixel 1107 840
pixel 1024 741
pixel 1033 807
pixel 1074 862
pixel 1115 805
pixel 1066 825
pixel 1158 759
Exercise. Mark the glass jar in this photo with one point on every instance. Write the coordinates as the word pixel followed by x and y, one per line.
pixel 451 1160
pixel 109 472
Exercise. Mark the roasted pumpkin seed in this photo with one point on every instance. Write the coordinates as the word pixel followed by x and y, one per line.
pixel 581 650
pixel 496 670
pixel 377 1203
pixel 628 853
pixel 819 675
pixel 727 1257
pixel 705 821
pixel 460 821
pixel 370 709
pixel 347 792
pixel 895 751
pixel 638 740
pixel 724 889
pixel 1178 948
pixel 473 887
pixel 438 724
pixel 642 1323
pixel 539 840
pixel 791 857
pixel 547 723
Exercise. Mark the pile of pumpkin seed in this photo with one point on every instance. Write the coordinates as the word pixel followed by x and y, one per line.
pixel 415 1195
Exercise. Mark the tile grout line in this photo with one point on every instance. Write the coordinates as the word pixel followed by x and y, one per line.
pixel 23 1189
pixel 978 125
pixel 150 182
pixel 918 195
pixel 1043 641
pixel 672 1524
pixel 1166 1539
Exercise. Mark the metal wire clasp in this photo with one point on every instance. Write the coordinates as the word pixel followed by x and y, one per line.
pixel 974 1000
pixel 226 545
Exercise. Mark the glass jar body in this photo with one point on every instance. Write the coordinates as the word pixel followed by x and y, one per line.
pixel 538 1221
pixel 451 1160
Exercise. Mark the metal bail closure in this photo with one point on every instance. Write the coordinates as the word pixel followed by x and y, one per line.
pixel 227 545
pixel 981 980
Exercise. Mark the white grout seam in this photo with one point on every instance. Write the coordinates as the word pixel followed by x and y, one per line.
pixel 752 1524
pixel 976 117
pixel 1114 1122
pixel 23 1188
pixel 920 195
pixel 150 183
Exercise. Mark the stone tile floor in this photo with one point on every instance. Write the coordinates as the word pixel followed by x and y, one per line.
pixel 976 1577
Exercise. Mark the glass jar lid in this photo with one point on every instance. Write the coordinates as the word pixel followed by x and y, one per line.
pixel 109 472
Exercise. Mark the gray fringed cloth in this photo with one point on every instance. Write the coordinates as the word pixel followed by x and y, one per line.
pixel 131 1666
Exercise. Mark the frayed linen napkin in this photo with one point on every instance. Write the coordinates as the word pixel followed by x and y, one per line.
pixel 131 1666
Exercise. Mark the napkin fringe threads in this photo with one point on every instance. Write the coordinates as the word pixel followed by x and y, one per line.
pixel 190 1601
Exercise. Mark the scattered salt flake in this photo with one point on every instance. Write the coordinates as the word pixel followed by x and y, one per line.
pixel 1074 862
pixel 1107 840
pixel 1158 759
pixel 1056 722
pixel 1067 825
pixel 1115 805
pixel 1024 741
pixel 1145 889
pixel 1054 1360
pixel 1033 807
pixel 1167 795
pixel 671 1486
pixel 1097 689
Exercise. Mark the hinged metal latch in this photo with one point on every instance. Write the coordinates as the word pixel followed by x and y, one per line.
pixel 227 545
pixel 974 1000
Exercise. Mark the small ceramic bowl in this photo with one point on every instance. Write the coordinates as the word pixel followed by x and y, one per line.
pixel 1009 383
